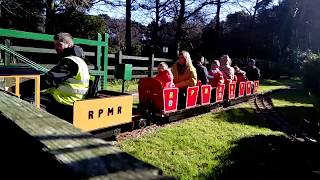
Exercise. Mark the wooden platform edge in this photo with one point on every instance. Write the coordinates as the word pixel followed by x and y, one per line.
pixel 81 153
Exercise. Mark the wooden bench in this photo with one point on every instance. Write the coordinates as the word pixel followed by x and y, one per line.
pixel 35 143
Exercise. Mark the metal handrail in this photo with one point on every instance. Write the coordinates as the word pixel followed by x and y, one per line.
pixel 24 59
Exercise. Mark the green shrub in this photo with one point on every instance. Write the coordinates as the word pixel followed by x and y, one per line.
pixel 310 76
pixel 311 72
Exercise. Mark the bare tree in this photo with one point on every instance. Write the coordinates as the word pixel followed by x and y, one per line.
pixel 252 7
pixel 184 15
pixel 32 13
pixel 162 9
pixel 180 22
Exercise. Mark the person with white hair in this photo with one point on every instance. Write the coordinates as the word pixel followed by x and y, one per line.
pixel 226 69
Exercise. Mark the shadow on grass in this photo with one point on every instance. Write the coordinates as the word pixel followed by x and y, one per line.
pixel 282 82
pixel 302 117
pixel 243 116
pixel 299 95
pixel 298 116
pixel 268 157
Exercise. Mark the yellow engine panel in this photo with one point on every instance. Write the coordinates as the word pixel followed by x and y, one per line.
pixel 100 113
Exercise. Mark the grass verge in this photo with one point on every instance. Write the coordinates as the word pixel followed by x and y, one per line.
pixel 234 144
pixel 194 149
pixel 297 107
pixel 268 84
pixel 129 86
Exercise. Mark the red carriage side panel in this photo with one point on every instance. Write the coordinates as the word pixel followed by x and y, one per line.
pixel 242 89
pixel 205 94
pixel 256 86
pixel 144 91
pixel 150 90
pixel 192 96
pixel 232 90
pixel 220 93
pixel 248 87
pixel 170 99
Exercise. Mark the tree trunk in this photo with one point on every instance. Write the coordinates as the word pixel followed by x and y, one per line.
pixel 217 30
pixel 156 28
pixel 180 22
pixel 217 27
pixel 41 16
pixel 128 27
pixel 253 19
pixel 254 15
pixel 50 17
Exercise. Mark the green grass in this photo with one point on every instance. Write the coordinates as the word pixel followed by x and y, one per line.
pixel 234 144
pixel 268 84
pixel 193 150
pixel 296 106
pixel 129 87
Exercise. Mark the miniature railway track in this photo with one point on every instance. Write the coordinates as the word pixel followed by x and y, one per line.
pixel 155 126
pixel 262 103
pixel 264 107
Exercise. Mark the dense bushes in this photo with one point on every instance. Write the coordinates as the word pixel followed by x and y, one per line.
pixel 311 72
pixel 310 76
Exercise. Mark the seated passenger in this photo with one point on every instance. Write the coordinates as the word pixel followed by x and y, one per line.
pixel 226 69
pixel 241 75
pixel 202 72
pixel 253 73
pixel 184 74
pixel 216 74
pixel 165 75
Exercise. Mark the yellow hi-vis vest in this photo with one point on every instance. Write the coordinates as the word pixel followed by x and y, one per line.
pixel 74 88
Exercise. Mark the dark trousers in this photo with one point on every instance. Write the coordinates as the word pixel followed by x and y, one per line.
pixel 182 97
pixel 60 110
pixel 237 90
pixel 213 94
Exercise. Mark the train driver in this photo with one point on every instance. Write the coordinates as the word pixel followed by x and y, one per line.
pixel 66 82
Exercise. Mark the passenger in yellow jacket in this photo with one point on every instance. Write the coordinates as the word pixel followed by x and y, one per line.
pixel 184 73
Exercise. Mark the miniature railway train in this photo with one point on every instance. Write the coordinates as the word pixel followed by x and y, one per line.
pixel 105 115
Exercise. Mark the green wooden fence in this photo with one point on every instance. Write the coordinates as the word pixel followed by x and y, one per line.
pixel 100 43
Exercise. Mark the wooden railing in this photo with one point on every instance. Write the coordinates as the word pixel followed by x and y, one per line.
pixel 112 58
pixel 101 45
